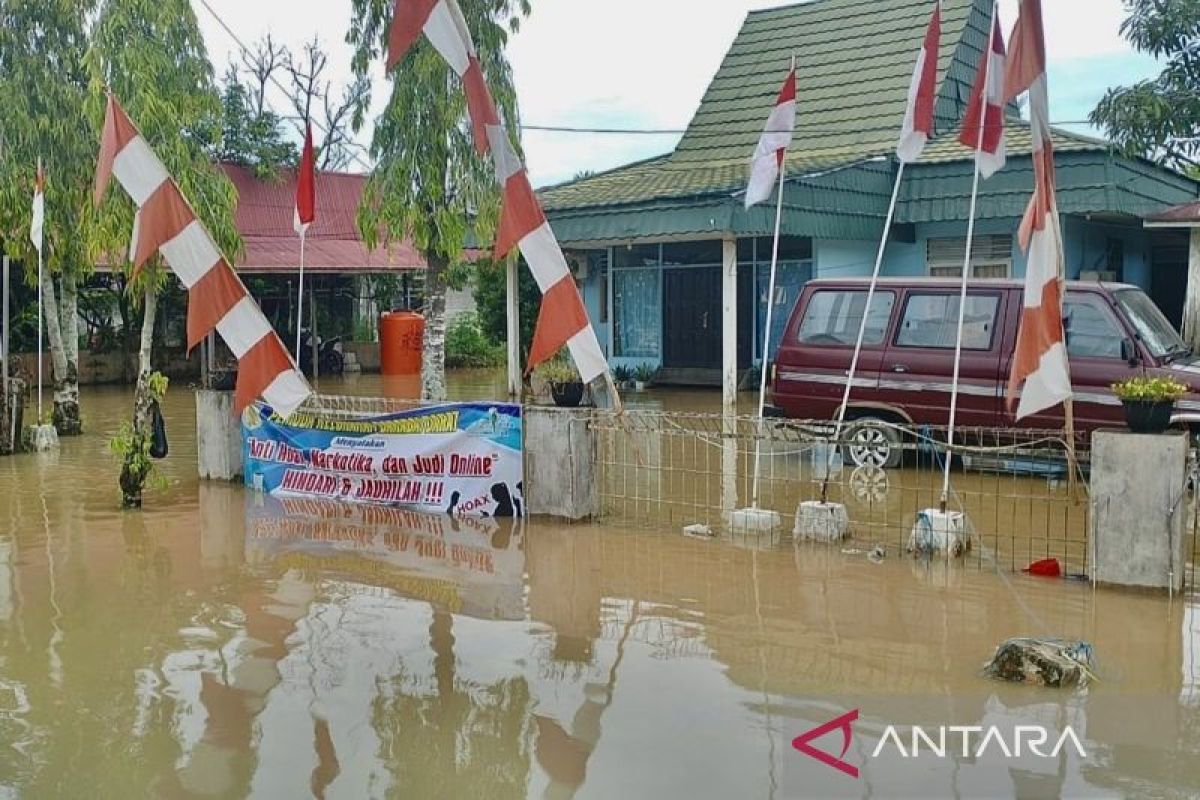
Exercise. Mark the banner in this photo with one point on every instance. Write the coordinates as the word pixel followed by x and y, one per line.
pixel 460 459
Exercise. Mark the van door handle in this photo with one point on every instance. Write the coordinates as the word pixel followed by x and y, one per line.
pixel 899 368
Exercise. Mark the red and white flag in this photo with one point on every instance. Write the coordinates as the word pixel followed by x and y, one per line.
pixel 922 93
pixel 38 224
pixel 983 131
pixel 1040 363
pixel 217 299
pixel 562 319
pixel 306 186
pixel 773 146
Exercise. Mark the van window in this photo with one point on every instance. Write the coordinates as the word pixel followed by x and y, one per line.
pixel 931 320
pixel 834 316
pixel 1091 331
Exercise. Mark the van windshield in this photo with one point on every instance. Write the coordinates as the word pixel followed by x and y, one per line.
pixel 1152 327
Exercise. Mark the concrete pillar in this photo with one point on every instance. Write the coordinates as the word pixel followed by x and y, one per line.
pixel 1191 304
pixel 729 374
pixel 1139 509
pixel 218 437
pixel 560 476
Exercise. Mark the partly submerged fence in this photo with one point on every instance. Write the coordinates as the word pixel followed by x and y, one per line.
pixel 1015 486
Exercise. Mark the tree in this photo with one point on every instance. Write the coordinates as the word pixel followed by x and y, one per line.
pixel 430 185
pixel 250 137
pixel 1159 118
pixel 313 99
pixel 490 290
pixel 43 91
pixel 151 54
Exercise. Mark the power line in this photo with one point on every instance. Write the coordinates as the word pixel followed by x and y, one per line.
pixel 246 52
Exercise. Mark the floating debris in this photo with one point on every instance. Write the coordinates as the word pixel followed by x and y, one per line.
pixel 1046 568
pixel 699 531
pixel 1042 662
pixel 877 555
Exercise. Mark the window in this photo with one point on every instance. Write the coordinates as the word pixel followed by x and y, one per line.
pixel 683 254
pixel 834 318
pixel 991 256
pixel 1091 331
pixel 637 316
pixel 931 320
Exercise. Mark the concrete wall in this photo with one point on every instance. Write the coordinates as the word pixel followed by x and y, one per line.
pixel 367 353
pixel 109 368
pixel 1139 506
pixel 559 465
pixel 218 437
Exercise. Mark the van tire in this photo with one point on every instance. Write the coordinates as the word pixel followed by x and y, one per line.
pixel 873 442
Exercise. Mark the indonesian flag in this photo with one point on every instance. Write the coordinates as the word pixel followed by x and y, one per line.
pixel 989 144
pixel 772 147
pixel 1040 362
pixel 217 299
pixel 562 319
pixel 306 186
pixel 37 226
pixel 922 93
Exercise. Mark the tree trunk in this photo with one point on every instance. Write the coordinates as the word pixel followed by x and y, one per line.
pixel 433 357
pixel 136 468
pixel 67 418
pixel 58 355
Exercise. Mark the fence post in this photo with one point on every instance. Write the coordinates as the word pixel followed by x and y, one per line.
pixel 560 475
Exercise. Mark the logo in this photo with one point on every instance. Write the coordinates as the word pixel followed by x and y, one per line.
pixel 842 723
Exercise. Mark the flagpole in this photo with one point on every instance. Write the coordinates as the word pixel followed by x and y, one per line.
pixel 300 297
pixel 966 270
pixel 766 351
pixel 40 327
pixel 862 328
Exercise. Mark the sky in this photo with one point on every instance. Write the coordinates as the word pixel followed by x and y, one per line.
pixel 645 64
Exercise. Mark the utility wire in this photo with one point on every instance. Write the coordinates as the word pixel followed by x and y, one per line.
pixel 694 132
pixel 278 85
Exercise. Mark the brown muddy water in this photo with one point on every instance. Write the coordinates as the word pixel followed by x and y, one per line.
pixel 218 644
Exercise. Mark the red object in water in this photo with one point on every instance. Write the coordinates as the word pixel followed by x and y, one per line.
pixel 1046 568
pixel 401 340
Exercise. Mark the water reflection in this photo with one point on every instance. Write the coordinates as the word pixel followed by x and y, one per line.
pixel 221 644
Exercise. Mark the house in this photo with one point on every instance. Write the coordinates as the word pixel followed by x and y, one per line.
pixel 674 270
pixel 339 267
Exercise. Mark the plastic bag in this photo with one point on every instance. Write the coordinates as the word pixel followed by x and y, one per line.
pixel 158 432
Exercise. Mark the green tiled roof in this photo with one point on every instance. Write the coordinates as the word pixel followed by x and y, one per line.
pixel 854 65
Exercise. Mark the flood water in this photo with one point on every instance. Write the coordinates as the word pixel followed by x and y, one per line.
pixel 219 644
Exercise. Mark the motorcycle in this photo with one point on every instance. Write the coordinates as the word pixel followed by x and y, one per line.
pixel 330 357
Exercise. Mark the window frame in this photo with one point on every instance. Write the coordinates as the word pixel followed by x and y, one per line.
pixel 953 266
pixel 912 294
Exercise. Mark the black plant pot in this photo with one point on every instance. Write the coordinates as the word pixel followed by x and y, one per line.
pixel 567 395
pixel 1148 416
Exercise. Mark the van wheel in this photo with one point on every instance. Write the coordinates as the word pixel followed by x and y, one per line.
pixel 871 442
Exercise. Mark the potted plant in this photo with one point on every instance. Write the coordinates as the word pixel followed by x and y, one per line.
pixel 643 375
pixel 1149 402
pixel 623 376
pixel 565 385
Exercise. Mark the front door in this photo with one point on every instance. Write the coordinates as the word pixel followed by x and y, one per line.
pixel 692 318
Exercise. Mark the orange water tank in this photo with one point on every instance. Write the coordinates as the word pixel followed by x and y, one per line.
pixel 401 336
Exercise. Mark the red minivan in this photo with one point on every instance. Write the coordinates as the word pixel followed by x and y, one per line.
pixel 906 369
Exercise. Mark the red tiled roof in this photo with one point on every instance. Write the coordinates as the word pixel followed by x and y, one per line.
pixel 264 216
pixel 1186 215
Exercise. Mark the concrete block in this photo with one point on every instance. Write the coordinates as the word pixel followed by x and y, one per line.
pixel 218 437
pixel 1139 506
pixel 821 522
pixel 560 478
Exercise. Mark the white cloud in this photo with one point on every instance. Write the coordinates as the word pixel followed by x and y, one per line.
pixel 634 63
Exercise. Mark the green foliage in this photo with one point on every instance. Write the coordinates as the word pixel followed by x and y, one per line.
pixel 151 54
pixel 1146 388
pixel 252 140
pixel 132 448
pixel 491 302
pixel 644 372
pixel 622 374
pixel 429 183
pixel 558 370
pixel 43 94
pixel 1158 118
pixel 467 346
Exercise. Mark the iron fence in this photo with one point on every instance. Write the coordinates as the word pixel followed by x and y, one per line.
pixel 1022 498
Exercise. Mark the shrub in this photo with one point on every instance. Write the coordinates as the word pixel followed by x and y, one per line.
pixel 1150 390
pixel 468 347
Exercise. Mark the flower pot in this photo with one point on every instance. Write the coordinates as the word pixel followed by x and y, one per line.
pixel 1148 416
pixel 567 395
